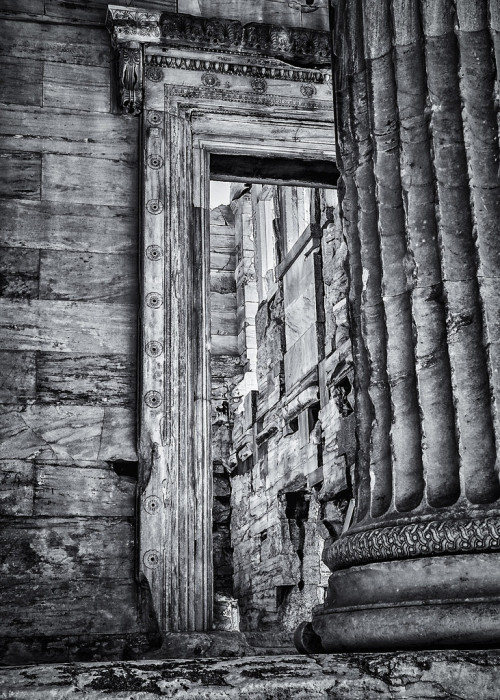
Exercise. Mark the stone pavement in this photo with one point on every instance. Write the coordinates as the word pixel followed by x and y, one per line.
pixel 440 675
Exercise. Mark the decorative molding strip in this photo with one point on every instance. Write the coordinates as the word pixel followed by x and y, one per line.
pixel 304 47
pixel 413 540
pixel 244 97
pixel 270 72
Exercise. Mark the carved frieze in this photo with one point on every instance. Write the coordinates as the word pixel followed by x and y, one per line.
pixel 300 46
pixel 414 540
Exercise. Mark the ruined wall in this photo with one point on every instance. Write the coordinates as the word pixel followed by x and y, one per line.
pixel 225 372
pixel 293 433
pixel 68 306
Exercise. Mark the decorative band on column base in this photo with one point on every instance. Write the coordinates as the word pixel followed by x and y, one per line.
pixel 435 602
pixel 412 540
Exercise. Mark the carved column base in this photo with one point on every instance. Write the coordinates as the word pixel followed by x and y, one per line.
pixel 435 602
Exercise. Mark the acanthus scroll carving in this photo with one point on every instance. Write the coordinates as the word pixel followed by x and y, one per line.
pixel 413 540
pixel 304 47
pixel 130 67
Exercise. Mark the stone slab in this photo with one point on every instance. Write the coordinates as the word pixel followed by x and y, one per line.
pixel 468 675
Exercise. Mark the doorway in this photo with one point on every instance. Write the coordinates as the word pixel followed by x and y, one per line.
pixel 202 119
pixel 276 252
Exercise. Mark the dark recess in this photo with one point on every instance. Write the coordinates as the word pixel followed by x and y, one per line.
pixel 280 171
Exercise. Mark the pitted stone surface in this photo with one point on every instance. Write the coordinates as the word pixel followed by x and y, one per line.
pixel 457 675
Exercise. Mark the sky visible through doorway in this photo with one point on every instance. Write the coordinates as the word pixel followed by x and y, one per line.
pixel 219 193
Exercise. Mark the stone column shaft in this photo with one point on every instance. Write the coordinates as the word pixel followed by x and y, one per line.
pixel 418 152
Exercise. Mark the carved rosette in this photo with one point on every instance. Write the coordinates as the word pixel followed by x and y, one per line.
pixel 151 559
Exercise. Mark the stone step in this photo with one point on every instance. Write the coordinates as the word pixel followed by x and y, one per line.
pixel 271 643
pixel 274 651
pixel 440 675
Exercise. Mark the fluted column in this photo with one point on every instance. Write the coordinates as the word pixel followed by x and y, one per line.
pixel 418 152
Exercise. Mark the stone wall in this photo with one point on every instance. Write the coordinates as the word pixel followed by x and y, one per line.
pixel 68 314
pixel 291 445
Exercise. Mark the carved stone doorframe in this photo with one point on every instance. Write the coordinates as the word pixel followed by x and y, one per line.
pixel 202 87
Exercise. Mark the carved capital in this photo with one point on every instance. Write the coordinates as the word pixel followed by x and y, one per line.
pixel 127 24
pixel 130 77
pixel 432 538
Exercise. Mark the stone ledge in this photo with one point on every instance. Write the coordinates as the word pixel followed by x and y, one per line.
pixel 450 675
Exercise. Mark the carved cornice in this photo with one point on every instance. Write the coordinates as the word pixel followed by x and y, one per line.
pixel 304 47
pixel 414 540
pixel 279 72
